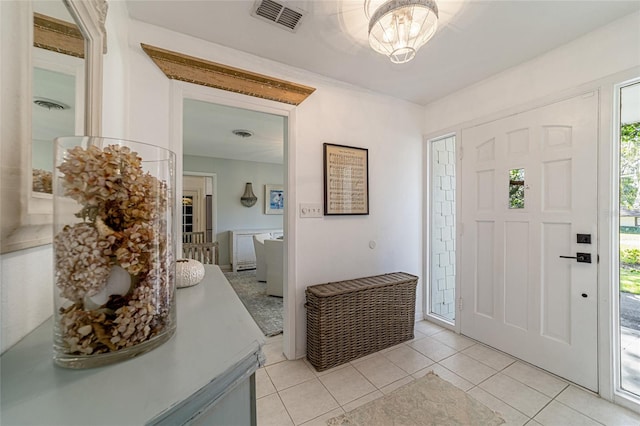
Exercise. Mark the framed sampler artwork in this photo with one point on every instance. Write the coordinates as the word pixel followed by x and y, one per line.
pixel 346 180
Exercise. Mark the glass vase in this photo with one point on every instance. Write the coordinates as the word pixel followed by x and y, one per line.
pixel 114 245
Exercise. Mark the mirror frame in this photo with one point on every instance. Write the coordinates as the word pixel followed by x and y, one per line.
pixel 26 220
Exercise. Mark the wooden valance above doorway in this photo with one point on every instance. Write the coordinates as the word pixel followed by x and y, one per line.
pixel 58 36
pixel 178 66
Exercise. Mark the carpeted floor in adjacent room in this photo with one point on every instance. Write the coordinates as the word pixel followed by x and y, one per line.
pixel 267 311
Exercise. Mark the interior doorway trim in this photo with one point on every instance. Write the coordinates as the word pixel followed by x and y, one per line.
pixel 181 91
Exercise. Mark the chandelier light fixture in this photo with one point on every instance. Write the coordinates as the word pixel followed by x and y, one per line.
pixel 248 199
pixel 398 28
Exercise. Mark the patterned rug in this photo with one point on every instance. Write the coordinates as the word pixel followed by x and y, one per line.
pixel 266 310
pixel 428 401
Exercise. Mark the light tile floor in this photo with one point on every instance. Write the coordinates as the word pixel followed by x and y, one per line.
pixel 293 393
pixel 630 352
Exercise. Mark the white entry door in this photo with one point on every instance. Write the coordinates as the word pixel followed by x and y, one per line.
pixel 518 294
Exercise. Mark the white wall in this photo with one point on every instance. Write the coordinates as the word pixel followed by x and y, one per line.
pixel 337 247
pixel 330 248
pixel 232 176
pixel 605 51
pixel 27 292
pixel 115 110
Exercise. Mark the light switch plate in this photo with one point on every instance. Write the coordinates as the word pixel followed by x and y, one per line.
pixel 310 210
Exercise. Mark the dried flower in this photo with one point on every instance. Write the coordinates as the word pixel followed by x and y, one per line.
pixel 82 261
pixel 135 247
pixel 42 181
pixel 112 180
pixel 83 331
pixel 94 176
pixel 144 200
pixel 133 322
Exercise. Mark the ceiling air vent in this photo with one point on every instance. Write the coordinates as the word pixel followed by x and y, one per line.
pixel 272 11
pixel 49 104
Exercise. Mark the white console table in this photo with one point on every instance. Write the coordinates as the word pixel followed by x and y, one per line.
pixel 203 375
pixel 242 254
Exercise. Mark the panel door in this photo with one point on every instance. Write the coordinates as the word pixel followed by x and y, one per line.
pixel 194 187
pixel 518 294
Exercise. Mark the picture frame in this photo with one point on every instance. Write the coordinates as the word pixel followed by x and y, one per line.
pixel 346 180
pixel 273 199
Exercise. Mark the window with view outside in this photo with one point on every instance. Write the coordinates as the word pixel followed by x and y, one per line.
pixel 629 238
pixel 187 213
pixel 516 189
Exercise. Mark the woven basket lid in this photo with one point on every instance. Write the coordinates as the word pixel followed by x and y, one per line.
pixel 349 286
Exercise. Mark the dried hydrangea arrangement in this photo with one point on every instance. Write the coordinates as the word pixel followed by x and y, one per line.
pixel 124 225
pixel 41 181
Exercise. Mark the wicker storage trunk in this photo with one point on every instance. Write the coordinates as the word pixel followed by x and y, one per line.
pixel 350 319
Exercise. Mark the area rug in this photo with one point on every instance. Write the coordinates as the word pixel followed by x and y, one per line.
pixel 266 310
pixel 428 401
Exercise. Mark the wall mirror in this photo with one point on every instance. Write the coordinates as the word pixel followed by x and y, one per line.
pixel 55 75
pixel 57 86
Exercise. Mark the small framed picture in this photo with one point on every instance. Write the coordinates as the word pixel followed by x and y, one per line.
pixel 273 199
pixel 346 180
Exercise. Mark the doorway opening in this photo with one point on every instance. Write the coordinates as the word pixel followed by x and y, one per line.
pixel 441 294
pixel 181 91
pixel 243 149
pixel 629 238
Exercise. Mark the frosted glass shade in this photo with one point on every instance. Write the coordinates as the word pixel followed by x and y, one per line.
pixel 398 28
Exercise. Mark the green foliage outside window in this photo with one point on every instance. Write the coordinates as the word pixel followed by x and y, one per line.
pixel 629 183
pixel 516 188
pixel 629 166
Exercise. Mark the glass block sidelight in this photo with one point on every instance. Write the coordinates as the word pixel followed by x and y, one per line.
pixel 442 262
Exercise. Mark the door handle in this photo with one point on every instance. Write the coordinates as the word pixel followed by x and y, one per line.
pixel 580 257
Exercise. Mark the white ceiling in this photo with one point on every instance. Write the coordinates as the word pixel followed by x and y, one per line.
pixel 208 132
pixel 475 39
pixel 48 124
